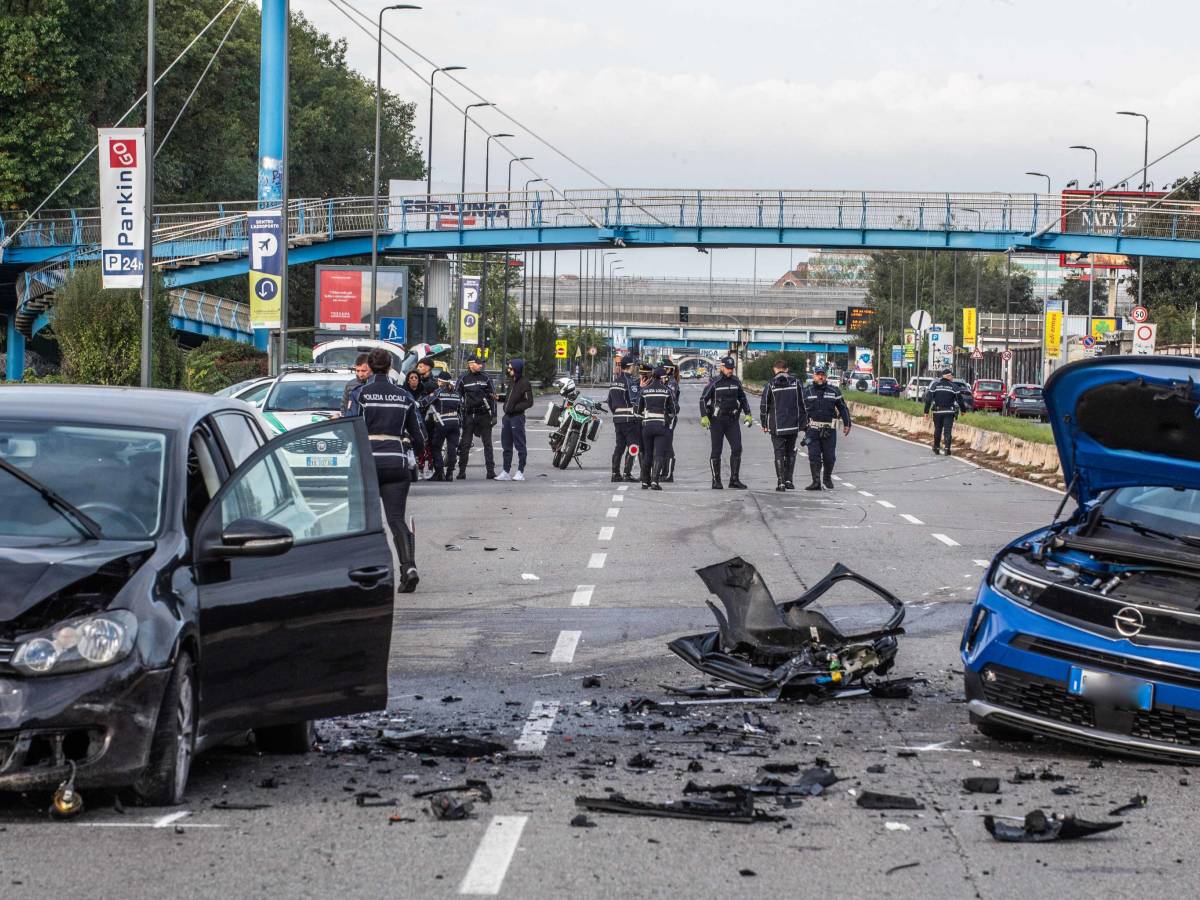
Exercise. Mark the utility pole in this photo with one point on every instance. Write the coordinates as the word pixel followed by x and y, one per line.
pixel 148 244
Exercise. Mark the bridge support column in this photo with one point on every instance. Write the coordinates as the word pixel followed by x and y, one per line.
pixel 271 97
pixel 14 368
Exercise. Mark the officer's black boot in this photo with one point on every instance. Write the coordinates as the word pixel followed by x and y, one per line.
pixel 647 466
pixel 815 468
pixel 406 549
pixel 439 474
pixel 781 473
pixel 828 482
pixel 616 473
pixel 791 467
pixel 491 473
pixel 660 469
pixel 714 466
pixel 735 465
pixel 669 477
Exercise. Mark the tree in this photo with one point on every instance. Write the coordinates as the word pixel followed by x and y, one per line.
pixel 219 363
pixel 1074 294
pixel 99 332
pixel 540 362
pixel 1171 287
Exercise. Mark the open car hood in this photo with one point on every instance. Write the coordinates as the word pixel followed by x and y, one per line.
pixel 418 352
pixel 34 569
pixel 1125 421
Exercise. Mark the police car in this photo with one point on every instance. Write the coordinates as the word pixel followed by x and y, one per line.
pixel 300 396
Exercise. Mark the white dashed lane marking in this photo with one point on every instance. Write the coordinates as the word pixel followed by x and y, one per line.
pixel 538 726
pixel 617 498
pixel 493 856
pixel 597 561
pixel 848 484
pixel 948 541
pixel 613 512
pixel 866 493
pixel 911 519
pixel 982 563
pixel 583 595
pixel 623 488
pixel 885 504
pixel 564 647
pixel 606 533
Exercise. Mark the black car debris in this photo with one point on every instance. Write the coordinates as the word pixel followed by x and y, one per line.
pixel 166 582
pixel 791 648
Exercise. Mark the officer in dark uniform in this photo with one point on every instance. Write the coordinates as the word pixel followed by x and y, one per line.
pixel 478 415
pixel 672 382
pixel 362 372
pixel 720 404
pixel 622 400
pixel 782 414
pixel 445 407
pixel 390 414
pixel 945 400
pixel 656 406
pixel 825 407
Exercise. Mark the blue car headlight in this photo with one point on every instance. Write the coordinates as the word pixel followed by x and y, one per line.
pixel 1017 586
pixel 86 642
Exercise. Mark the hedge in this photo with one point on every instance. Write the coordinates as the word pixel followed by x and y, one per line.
pixel 218 363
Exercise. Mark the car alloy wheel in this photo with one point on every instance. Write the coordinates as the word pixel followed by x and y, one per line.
pixel 185 724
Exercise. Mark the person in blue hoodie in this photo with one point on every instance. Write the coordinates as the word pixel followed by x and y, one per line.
pixel 512 426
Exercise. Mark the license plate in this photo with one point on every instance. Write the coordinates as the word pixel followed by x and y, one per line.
pixel 321 462
pixel 1119 690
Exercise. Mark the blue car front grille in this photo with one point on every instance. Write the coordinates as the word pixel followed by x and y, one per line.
pixel 1040 697
pixel 1112 662
pixel 1168 726
pixel 1096 614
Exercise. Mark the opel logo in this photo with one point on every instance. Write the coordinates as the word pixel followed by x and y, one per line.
pixel 321 448
pixel 1129 621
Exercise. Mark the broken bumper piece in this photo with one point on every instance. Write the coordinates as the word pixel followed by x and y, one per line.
pixel 739 809
pixel 764 647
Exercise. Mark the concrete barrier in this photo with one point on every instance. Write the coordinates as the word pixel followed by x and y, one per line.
pixel 996 444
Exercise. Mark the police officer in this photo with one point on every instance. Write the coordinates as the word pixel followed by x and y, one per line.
pixel 445 407
pixel 390 413
pixel 622 400
pixel 825 406
pixel 722 400
pixel 656 406
pixel 945 400
pixel 782 414
pixel 672 382
pixel 361 373
pixel 478 415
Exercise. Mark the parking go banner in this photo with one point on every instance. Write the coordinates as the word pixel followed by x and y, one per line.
pixel 265 227
pixel 970 326
pixel 468 332
pixel 122 206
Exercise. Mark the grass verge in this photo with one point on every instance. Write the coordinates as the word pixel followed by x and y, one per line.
pixel 1026 429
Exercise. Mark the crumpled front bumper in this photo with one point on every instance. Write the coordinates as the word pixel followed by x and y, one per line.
pixel 102 720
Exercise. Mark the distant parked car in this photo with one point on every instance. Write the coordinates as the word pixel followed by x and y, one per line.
pixel 988 394
pixel 252 391
pixel 887 387
pixel 1025 400
pixel 916 387
pixel 864 383
pixel 964 391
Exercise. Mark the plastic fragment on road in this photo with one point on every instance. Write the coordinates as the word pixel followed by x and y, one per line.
pixel 456 746
pixel 981 785
pixel 1037 827
pixel 478 786
pixel 1137 801
pixel 582 821
pixel 447 809
pixel 896 826
pixel 738 811
pixel 875 800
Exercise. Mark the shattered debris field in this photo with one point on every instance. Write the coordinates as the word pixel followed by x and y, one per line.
pixel 599 730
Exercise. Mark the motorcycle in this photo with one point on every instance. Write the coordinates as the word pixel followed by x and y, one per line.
pixel 578 421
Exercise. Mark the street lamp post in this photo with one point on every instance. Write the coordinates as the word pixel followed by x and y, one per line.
pixel 429 141
pixel 1045 288
pixel 612 267
pixel 487 221
pixel 375 192
pixel 148 245
pixel 524 290
pixel 462 186
pixel 1145 184
pixel 783 331
pixel 1092 278
pixel 508 261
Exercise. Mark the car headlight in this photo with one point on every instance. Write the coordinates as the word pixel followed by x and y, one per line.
pixel 87 642
pixel 1015 586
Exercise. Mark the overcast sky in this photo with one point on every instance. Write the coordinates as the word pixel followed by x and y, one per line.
pixel 858 94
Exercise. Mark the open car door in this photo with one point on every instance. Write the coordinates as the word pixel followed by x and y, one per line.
pixel 296 581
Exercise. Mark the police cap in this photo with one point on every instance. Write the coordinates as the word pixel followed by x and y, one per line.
pixel 728 362
pixel 627 360
pixel 660 371
pixel 819 370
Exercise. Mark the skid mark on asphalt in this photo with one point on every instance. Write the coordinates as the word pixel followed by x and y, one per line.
pixel 583 595
pixel 493 856
pixel 538 726
pixel 564 647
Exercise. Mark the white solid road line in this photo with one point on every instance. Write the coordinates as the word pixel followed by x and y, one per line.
pixel 948 541
pixel 597 561
pixel 613 512
pixel 982 563
pixel 170 818
pixel 493 856
pixel 911 519
pixel 606 533
pixel 583 595
pixel 564 647
pixel 538 726
pixel 885 504
pixel 866 493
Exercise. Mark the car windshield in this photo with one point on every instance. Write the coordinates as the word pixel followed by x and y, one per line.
pixel 989 386
pixel 306 395
pixel 114 476
pixel 888 381
pixel 1175 510
pixel 1028 393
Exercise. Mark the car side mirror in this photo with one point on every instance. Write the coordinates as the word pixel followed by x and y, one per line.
pixel 250 537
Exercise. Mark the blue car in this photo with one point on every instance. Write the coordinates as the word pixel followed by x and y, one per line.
pixel 1088 630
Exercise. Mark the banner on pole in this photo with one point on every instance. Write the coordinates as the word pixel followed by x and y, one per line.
pixel 265 228
pixel 897 356
pixel 910 346
pixel 1053 332
pixel 970 326
pixel 468 332
pixel 122 206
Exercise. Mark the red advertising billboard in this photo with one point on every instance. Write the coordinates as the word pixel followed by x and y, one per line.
pixel 340 296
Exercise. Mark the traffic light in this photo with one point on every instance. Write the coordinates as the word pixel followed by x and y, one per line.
pixel 683 315
pixel 840 318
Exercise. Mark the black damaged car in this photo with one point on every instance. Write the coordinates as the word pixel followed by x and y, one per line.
pixel 166 582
